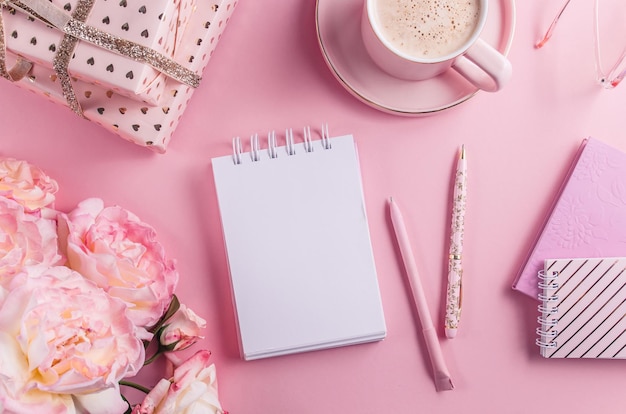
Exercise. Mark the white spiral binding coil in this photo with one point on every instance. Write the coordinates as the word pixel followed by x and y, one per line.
pixel 237 150
pixel 254 147
pixel 543 344
pixel 272 144
pixel 547 334
pixel 550 278
pixel 547 310
pixel 291 150
pixel 326 137
pixel 546 322
pixel 308 144
pixel 548 284
pixel 548 298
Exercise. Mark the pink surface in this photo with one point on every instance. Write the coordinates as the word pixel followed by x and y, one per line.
pixel 268 72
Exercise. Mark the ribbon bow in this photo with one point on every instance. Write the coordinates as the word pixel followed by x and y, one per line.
pixel 75 29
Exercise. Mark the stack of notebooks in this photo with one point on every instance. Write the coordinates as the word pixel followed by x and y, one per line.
pixel 577 267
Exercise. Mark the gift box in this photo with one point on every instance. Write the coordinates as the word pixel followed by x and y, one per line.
pixel 131 66
pixel 153 26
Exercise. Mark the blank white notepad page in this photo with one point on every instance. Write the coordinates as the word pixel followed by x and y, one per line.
pixel 299 251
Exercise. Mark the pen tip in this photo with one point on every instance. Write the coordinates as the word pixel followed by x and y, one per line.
pixel 463 151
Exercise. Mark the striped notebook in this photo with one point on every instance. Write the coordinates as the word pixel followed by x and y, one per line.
pixel 583 304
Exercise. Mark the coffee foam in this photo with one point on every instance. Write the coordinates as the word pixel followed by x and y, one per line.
pixel 427 28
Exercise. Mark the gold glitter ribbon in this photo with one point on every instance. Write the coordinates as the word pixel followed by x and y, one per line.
pixel 75 29
pixel 61 61
pixel 21 66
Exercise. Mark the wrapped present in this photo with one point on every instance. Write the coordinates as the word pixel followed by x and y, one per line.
pixel 151 24
pixel 129 65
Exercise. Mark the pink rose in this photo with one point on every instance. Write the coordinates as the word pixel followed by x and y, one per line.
pixel 3 295
pixel 64 345
pixel 26 184
pixel 119 253
pixel 25 240
pixel 192 389
pixel 182 330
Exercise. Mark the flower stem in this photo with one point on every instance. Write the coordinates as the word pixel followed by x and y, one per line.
pixel 152 358
pixel 135 386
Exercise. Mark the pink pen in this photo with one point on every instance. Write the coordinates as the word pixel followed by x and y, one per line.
pixel 455 268
pixel 443 382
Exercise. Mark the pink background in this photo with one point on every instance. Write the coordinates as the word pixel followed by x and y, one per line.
pixel 268 73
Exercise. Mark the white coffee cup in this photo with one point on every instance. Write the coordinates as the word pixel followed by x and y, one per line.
pixel 418 58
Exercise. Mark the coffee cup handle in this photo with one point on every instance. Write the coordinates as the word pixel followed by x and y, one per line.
pixel 484 67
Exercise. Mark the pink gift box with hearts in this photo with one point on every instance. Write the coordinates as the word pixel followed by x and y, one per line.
pixel 151 23
pixel 133 68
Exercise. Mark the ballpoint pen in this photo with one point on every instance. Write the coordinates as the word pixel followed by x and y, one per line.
pixel 443 381
pixel 455 268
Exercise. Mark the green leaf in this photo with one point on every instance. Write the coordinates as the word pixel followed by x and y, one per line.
pixel 171 310
pixel 135 386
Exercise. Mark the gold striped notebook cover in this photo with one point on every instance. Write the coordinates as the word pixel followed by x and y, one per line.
pixel 583 308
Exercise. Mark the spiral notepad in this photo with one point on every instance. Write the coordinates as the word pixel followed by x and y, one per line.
pixel 583 308
pixel 295 228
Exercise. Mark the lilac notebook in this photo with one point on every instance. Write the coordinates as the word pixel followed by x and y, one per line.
pixel 583 308
pixel 589 215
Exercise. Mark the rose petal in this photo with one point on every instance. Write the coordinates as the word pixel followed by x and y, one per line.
pixel 107 401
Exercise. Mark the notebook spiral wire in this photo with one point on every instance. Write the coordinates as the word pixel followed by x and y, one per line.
pixel 308 144
pixel 272 144
pixel 237 150
pixel 548 284
pixel 291 149
pixel 254 147
pixel 326 137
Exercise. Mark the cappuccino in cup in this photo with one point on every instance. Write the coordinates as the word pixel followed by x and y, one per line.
pixel 420 39
pixel 427 29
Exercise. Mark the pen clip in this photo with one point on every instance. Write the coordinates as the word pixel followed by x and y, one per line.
pixel 460 300
pixel 455 292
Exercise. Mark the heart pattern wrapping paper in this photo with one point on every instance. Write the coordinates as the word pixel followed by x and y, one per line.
pixel 127 97
pixel 150 23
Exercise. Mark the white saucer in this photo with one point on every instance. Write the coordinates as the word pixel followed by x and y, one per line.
pixel 339 36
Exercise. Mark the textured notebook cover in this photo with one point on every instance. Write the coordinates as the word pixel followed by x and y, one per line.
pixel 583 308
pixel 589 216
